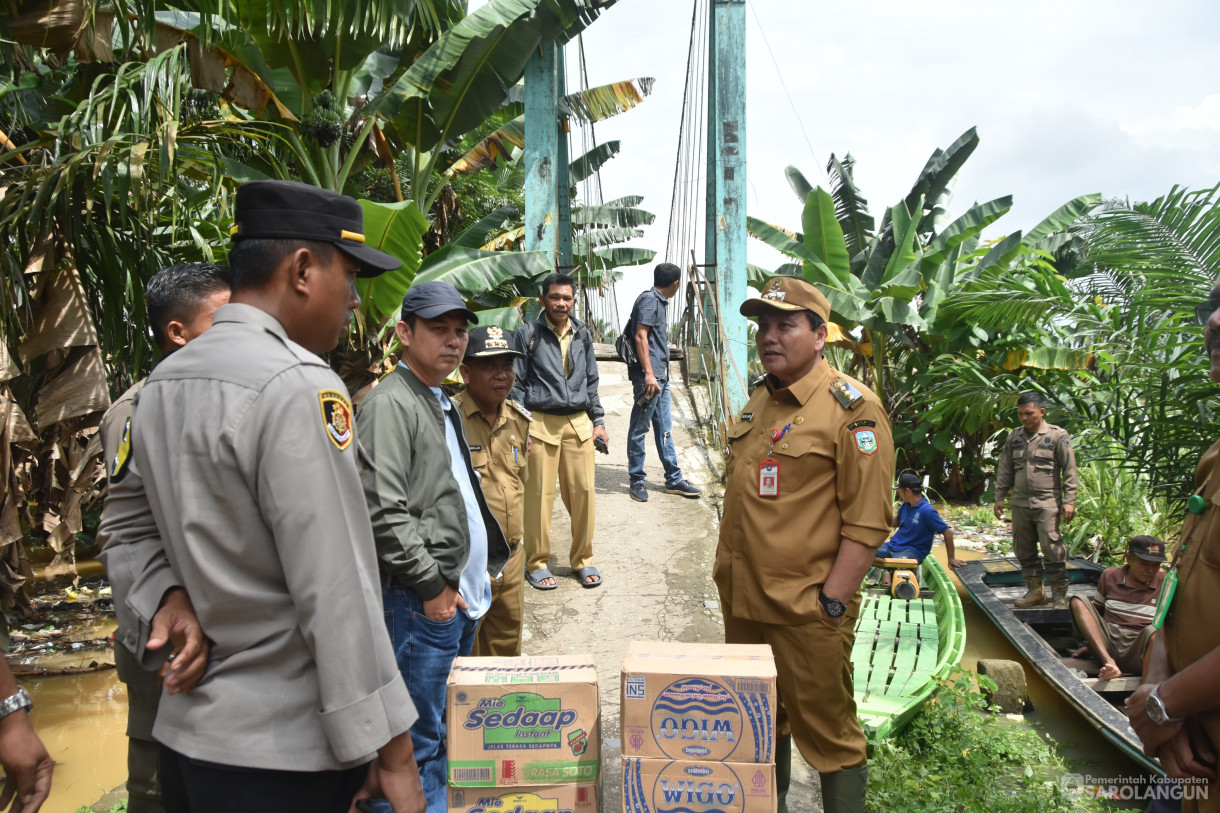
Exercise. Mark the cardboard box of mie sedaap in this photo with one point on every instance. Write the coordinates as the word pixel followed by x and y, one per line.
pixel 701 702
pixel 523 722
pixel 546 799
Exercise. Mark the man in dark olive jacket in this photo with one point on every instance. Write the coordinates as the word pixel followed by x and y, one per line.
pixel 438 543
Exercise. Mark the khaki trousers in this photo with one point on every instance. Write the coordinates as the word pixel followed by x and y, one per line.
pixel 499 632
pixel 1034 527
pixel 571 461
pixel 814 671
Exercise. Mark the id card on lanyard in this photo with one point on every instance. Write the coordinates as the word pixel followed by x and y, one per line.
pixel 768 467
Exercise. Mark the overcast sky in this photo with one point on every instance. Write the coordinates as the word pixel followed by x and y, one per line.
pixel 1070 97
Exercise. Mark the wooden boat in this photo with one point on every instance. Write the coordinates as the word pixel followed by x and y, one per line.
pixel 1046 639
pixel 903 647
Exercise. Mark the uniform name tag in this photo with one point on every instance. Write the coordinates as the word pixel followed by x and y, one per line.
pixel 768 478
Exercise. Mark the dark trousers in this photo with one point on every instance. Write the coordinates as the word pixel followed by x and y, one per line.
pixel 193 786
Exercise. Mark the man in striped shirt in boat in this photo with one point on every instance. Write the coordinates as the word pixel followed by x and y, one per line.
pixel 1117 622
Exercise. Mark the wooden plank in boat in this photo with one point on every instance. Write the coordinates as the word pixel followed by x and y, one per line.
pixel 883 657
pixel 905 656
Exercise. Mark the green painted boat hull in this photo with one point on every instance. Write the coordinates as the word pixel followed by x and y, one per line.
pixel 902 648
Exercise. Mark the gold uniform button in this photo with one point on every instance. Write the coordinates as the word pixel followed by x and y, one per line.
pixel 785 445
pixel 775 403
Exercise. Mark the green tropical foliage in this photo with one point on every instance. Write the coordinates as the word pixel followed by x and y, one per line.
pixel 126 128
pixel 889 285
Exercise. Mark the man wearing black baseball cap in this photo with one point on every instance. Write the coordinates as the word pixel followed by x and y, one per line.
pixel 1116 622
pixel 917 523
pixel 242 503
pixel 438 542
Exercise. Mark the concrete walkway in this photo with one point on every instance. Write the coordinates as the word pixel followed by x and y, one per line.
pixel 656 562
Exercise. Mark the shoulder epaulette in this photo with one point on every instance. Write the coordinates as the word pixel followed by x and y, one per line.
pixel 846 394
pixel 529 416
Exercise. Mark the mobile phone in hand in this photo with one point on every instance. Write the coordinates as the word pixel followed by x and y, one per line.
pixel 601 446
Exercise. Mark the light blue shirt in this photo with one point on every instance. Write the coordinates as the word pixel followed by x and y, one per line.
pixel 475 583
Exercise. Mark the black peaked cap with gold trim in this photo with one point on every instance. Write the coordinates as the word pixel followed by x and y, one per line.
pixel 287 210
pixel 489 341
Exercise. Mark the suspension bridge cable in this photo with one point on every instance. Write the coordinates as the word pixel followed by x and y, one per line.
pixel 783 84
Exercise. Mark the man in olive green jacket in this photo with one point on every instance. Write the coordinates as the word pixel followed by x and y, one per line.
pixel 438 543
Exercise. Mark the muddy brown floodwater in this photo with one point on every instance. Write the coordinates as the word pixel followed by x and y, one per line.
pixel 82 719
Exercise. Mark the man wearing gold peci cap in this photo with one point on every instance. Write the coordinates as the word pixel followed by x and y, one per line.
pixel 807 502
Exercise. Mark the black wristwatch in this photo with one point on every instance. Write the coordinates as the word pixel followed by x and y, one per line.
pixel 832 606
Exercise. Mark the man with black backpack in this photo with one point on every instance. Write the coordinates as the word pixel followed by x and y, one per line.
pixel 557 381
pixel 647 332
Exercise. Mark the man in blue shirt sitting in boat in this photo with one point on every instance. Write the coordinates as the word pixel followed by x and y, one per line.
pixel 917 523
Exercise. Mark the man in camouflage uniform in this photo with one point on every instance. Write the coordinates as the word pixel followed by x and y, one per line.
pixel 1037 471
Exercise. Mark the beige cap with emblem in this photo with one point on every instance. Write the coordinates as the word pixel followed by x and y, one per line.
pixel 787 294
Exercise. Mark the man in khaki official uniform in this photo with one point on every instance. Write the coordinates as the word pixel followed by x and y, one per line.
pixel 242 503
pixel 557 382
pixel 498 432
pixel 181 300
pixel 1037 471
pixel 806 504
pixel 1176 712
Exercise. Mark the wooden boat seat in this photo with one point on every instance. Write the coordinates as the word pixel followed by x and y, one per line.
pixel 1126 683
pixel 895 564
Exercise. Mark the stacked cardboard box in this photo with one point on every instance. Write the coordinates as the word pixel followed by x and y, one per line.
pixel 698 725
pixel 523 734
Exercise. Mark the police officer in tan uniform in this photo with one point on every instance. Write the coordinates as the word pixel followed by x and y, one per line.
pixel 181 300
pixel 497 430
pixel 806 504
pixel 1176 712
pixel 1037 471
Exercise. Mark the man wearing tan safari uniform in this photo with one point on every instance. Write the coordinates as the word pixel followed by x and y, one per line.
pixel 1038 471
pixel 498 433
pixel 1176 712
pixel 807 503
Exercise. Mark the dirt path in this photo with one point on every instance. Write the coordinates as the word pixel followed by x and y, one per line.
pixel 656 560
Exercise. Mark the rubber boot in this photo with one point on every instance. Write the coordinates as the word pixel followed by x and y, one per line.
pixel 783 772
pixel 844 791
pixel 1059 594
pixel 1034 595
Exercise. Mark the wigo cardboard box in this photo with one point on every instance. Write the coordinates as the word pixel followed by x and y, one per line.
pixel 704 702
pixel 523 721
pixel 662 786
pixel 548 799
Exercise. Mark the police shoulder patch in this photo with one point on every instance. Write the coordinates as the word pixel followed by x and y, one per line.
pixel 846 394
pixel 118 466
pixel 336 417
pixel 866 441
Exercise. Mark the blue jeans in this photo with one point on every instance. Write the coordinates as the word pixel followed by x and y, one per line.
pixel 886 552
pixel 425 650
pixel 655 413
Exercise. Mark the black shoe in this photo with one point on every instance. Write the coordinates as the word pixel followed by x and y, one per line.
pixel 683 489
pixel 638 492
